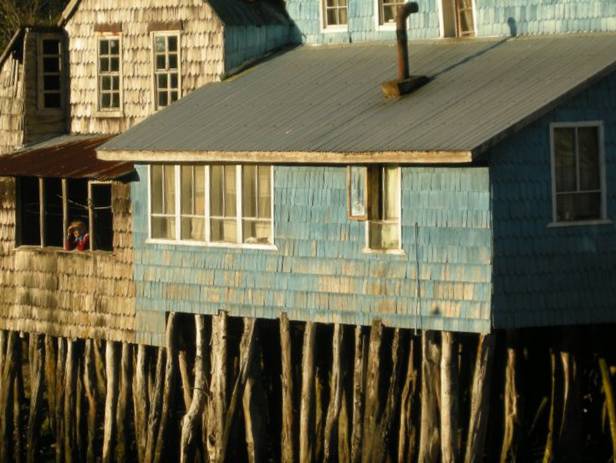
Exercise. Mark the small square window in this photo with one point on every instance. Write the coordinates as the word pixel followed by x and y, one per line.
pixel 577 167
pixel 335 13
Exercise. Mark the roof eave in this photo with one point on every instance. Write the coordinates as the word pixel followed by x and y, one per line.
pixel 291 157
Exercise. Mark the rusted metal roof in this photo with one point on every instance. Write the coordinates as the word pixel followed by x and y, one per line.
pixel 67 156
pixel 315 101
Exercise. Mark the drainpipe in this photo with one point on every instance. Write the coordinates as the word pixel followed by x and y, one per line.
pixel 405 82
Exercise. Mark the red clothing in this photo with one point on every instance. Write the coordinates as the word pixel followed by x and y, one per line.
pixel 81 244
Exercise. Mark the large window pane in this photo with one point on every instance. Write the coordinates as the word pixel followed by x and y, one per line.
pixel 391 191
pixel 53 223
pixel 564 157
pixel 230 191
pixel 163 228
pixel 223 230
pixel 169 190
pixel 249 191
pixel 265 192
pixel 578 206
pixel 156 188
pixel 30 214
pixel 588 146
pixel 383 208
pixel 216 188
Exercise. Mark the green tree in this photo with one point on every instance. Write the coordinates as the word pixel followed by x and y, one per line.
pixel 17 13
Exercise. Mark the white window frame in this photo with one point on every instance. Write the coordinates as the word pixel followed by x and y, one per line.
pixel 109 112
pixel 602 179
pixel 327 28
pixel 207 216
pixel 153 36
pixel 41 74
pixel 399 251
pixel 390 26
pixel 441 19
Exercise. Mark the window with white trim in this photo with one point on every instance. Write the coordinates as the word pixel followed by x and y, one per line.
pixel 109 73
pixel 458 19
pixel 383 226
pixel 388 10
pixel 217 204
pixel 166 69
pixel 577 172
pixel 50 65
pixel 335 14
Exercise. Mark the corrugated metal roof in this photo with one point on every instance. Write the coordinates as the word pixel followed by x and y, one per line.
pixel 328 99
pixel 67 156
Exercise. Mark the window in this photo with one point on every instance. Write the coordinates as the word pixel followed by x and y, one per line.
pixel 388 10
pixel 166 69
pixel 50 65
pixel 218 204
pixel 335 14
pixel 457 18
pixel 577 172
pixel 383 226
pixel 109 74
pixel 47 206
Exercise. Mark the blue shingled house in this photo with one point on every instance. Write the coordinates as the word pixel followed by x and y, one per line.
pixel 483 199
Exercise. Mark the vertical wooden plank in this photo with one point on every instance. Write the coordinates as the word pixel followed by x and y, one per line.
pixel 358 394
pixel 109 431
pixel 60 397
pixel 511 425
pixel 429 436
pixel 450 451
pixel 125 386
pixel 287 446
pixel 371 412
pixel 156 400
pixel 407 435
pixel 218 388
pixel 306 412
pixel 89 382
pixel 6 397
pixel 335 393
pixel 70 392
pixel 37 359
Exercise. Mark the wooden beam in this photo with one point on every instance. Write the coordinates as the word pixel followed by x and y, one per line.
pixel 373 379
pixel 306 405
pixel 109 430
pixel 359 381
pixel 37 359
pixel 140 402
pixel 429 436
pixel 450 450
pixel 407 432
pixel 335 382
pixel 124 394
pixel 287 447
pixel 217 403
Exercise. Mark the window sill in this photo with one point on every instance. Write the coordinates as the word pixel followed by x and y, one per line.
pixel 109 114
pixel 393 252
pixel 59 250
pixel 387 27
pixel 203 244
pixel 334 29
pixel 579 223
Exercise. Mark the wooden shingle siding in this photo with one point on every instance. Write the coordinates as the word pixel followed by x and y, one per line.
pixel 11 104
pixel 201 44
pixel 68 294
pixel 319 271
pixel 552 275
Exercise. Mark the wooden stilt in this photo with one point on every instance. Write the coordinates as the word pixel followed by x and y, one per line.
pixel 124 388
pixel 170 373
pixel 140 402
pixel 18 403
pixel 111 398
pixel 156 402
pixel 218 389
pixel 80 412
pixel 371 411
pixel 336 394
pixel 358 394
pixel 60 397
pixel 287 447
pixel 89 382
pixel 570 435
pixel 37 359
pixel 450 451
pixel 187 384
pixel 253 406
pixel 609 401
pixel 6 397
pixel 407 435
pixel 319 413
pixel 551 444
pixel 429 437
pixel 305 428
pixel 191 422
pixel 511 425
pixel 70 415
pixel 344 429
pixel 480 400
pixel 50 380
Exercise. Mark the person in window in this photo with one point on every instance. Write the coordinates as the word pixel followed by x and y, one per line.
pixel 77 237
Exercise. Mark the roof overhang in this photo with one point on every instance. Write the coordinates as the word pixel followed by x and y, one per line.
pixel 290 157
pixel 65 157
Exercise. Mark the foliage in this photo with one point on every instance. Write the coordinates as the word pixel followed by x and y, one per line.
pixel 17 13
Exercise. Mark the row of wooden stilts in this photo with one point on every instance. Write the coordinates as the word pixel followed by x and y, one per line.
pixel 230 389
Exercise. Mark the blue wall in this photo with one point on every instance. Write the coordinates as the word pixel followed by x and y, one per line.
pixel 319 271
pixel 494 18
pixel 245 43
pixel 547 275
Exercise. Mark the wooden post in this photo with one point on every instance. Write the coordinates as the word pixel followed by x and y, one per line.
pixel 111 361
pixel 187 384
pixel 140 402
pixel 570 432
pixel 335 391
pixel 170 373
pixel 60 397
pixel 50 381
pixel 287 447
pixel 218 389
pixel 190 423
pixel 407 435
pixel 429 438
pixel 6 397
pixel 358 394
pixel 18 402
pixel 70 415
pixel 450 450
pixel 609 401
pixel 37 359
pixel 121 450
pixel 305 427
pixel 89 382
pixel 156 403
pixel 371 411
pixel 511 399
pixel 480 400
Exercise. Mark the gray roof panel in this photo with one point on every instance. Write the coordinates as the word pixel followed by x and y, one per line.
pixel 328 99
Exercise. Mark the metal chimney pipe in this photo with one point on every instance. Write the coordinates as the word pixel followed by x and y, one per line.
pixel 402 38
